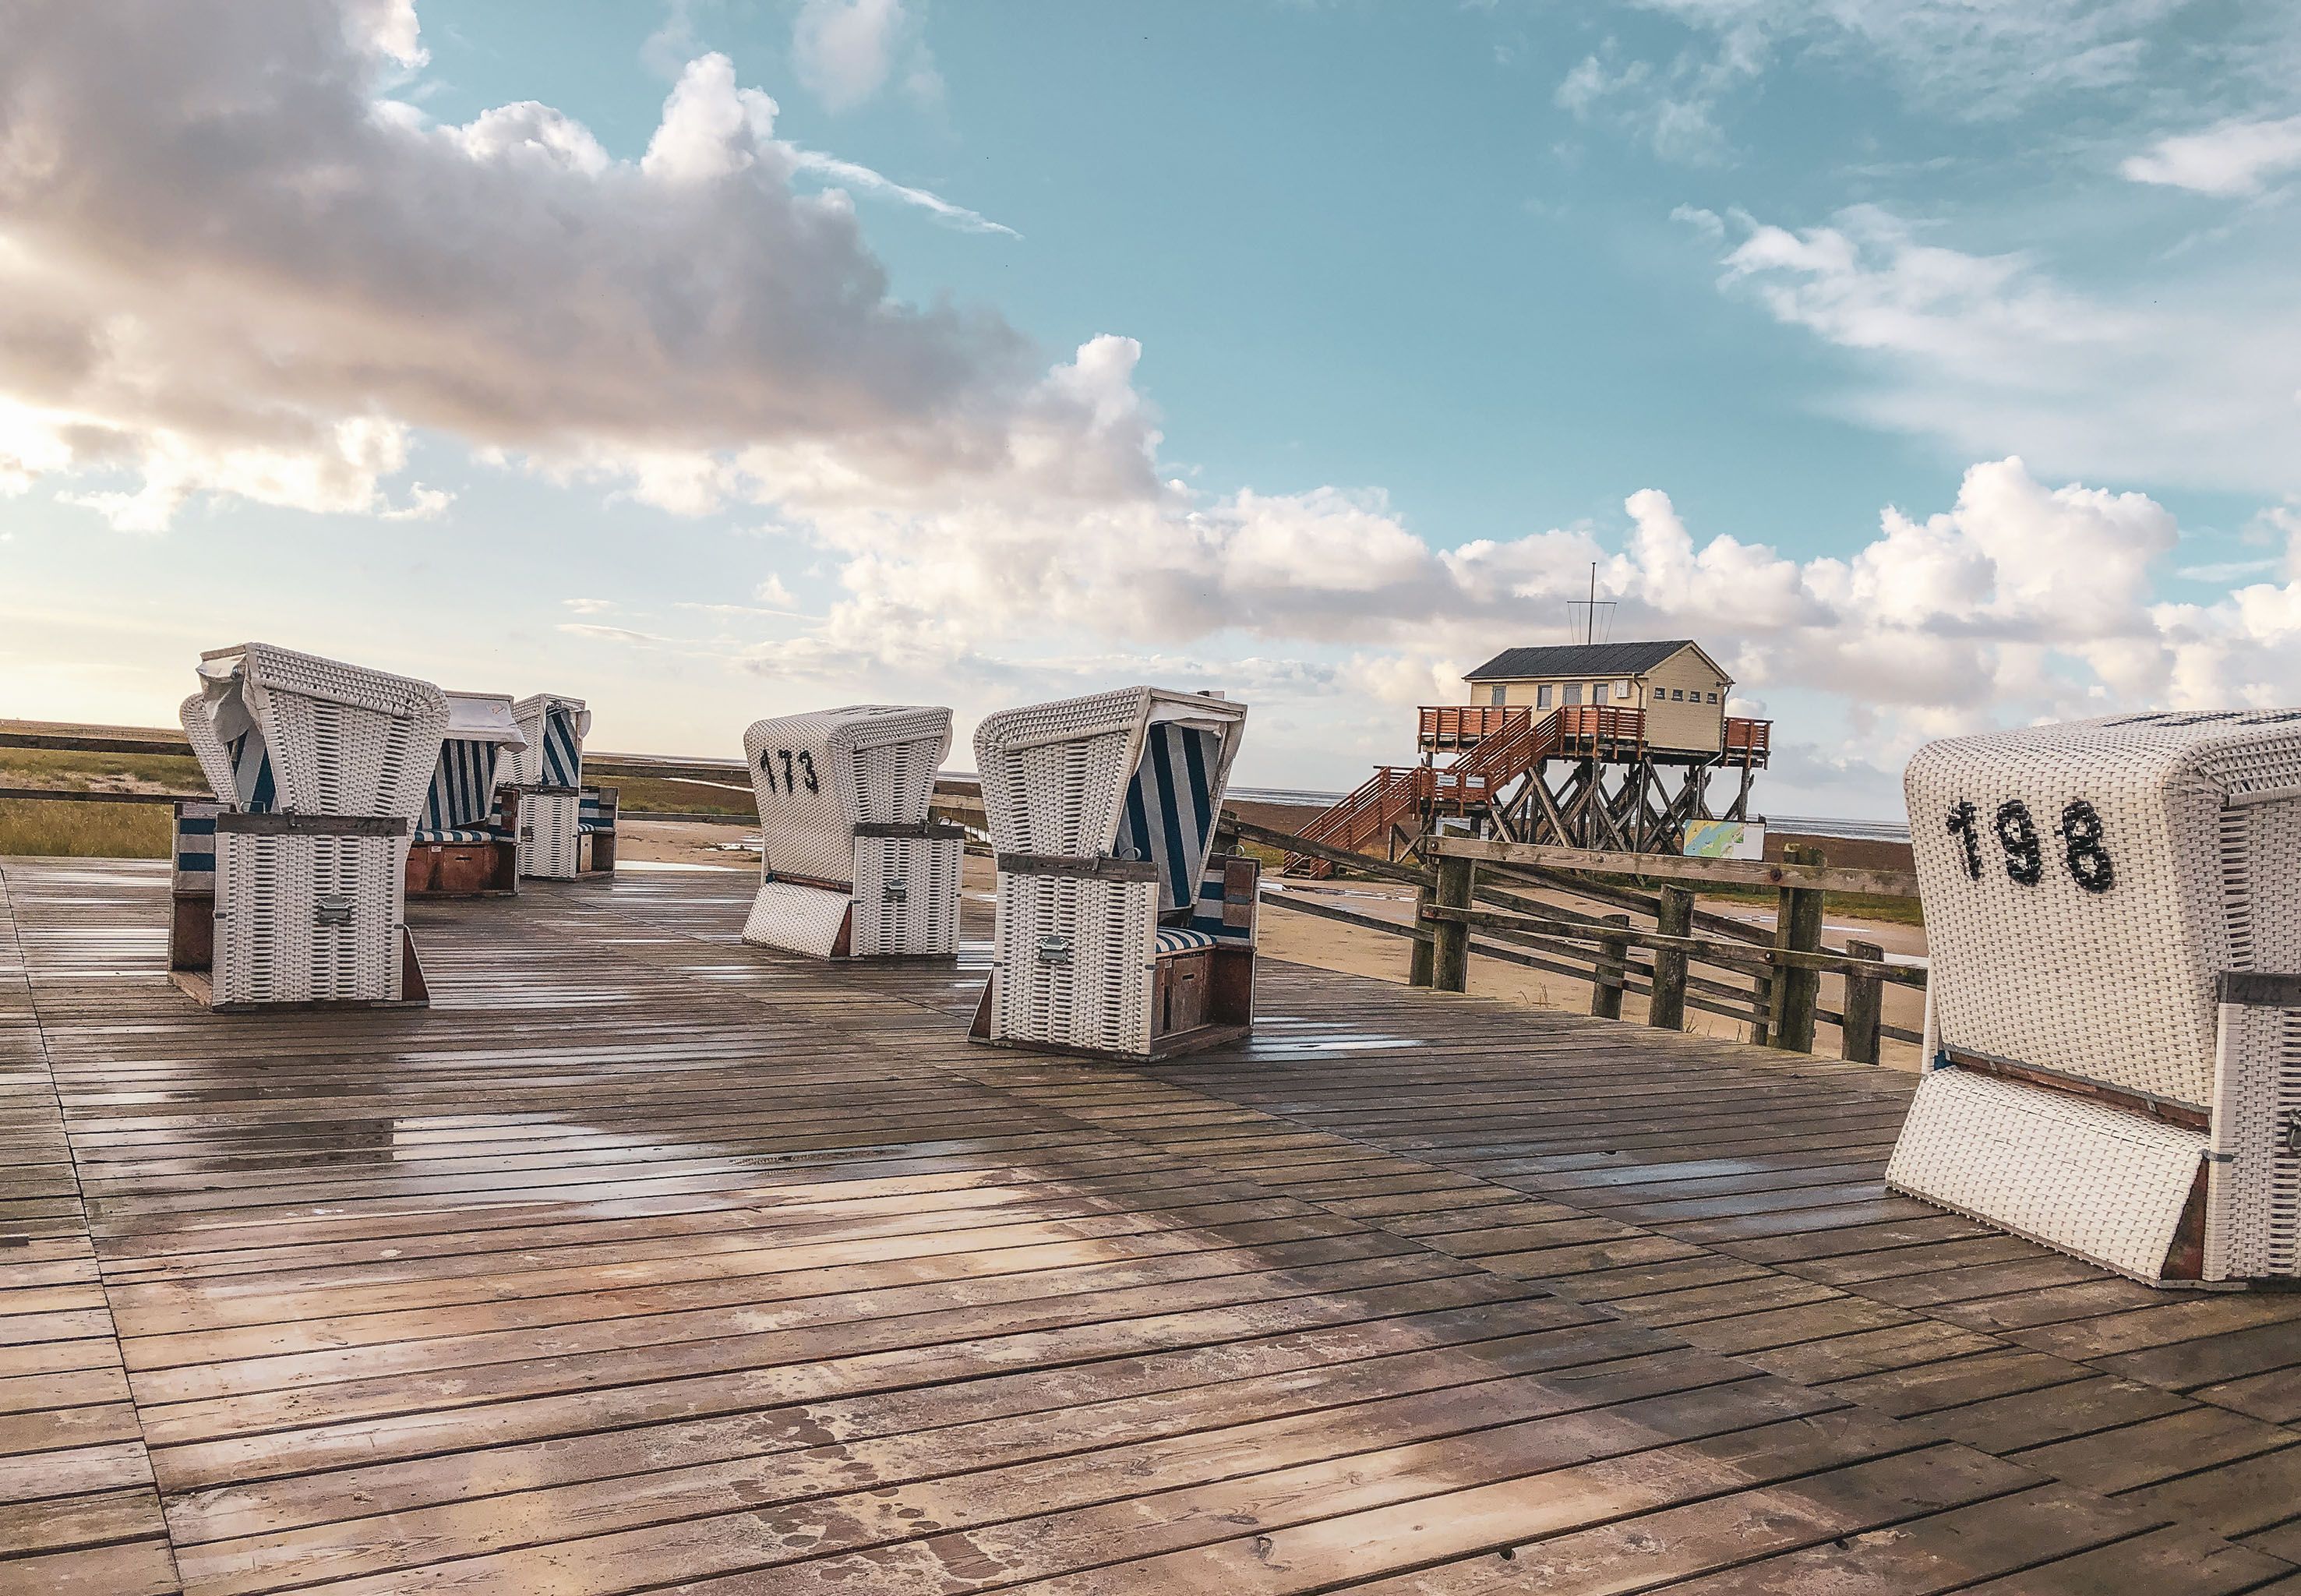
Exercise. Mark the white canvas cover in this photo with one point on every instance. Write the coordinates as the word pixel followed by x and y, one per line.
pixel 483 717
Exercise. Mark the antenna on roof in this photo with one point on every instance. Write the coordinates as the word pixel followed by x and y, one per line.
pixel 1589 608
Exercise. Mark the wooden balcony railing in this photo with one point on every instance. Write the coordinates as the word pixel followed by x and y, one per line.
pixel 1461 725
pixel 1591 722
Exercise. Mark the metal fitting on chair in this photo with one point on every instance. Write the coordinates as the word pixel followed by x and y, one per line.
pixel 333 909
pixel 895 890
pixel 1054 950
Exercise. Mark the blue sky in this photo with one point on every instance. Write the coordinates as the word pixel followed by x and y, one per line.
pixel 1936 364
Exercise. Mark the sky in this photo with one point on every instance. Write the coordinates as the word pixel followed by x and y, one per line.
pixel 1936 363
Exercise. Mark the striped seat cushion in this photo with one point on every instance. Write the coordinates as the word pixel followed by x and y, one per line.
pixel 456 834
pixel 595 812
pixel 196 829
pixel 1176 938
pixel 1168 817
pixel 1209 916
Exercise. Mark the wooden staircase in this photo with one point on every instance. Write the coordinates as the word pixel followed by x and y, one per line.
pixel 1395 794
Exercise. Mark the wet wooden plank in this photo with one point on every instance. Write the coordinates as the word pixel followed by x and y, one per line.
pixel 644 1258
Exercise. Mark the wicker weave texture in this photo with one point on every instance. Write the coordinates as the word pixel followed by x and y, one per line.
pixel 2253 1204
pixel 197 715
pixel 2253 1200
pixel 907 897
pixel 814 776
pixel 550 834
pixel 1072 963
pixel 2102 971
pixel 1056 779
pixel 2103 1184
pixel 304 918
pixel 796 919
pixel 1054 775
pixel 341 739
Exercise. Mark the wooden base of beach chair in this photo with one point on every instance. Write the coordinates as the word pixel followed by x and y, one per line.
pixel 598 856
pixel 463 869
pixel 1200 997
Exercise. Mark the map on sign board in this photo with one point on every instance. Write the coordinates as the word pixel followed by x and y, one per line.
pixel 1725 838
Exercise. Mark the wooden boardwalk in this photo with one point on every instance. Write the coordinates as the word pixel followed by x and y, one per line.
pixel 644 1261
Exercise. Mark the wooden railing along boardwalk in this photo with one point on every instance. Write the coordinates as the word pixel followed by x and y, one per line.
pixel 648 1261
pixel 1773 979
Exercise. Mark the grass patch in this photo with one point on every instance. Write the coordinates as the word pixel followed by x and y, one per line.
pixel 70 769
pixel 655 795
pixel 1844 905
pixel 85 830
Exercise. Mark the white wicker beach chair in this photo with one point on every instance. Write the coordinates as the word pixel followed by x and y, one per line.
pixel 851 866
pixel 549 774
pixel 1119 932
pixel 2113 1017
pixel 461 849
pixel 320 770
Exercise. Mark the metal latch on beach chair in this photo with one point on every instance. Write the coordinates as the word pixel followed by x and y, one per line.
pixel 895 890
pixel 1054 950
pixel 333 909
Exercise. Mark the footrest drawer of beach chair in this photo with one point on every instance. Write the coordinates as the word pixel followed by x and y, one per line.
pixel 907 897
pixel 800 919
pixel 2112 1186
pixel 1073 964
pixel 305 918
pixel 549 834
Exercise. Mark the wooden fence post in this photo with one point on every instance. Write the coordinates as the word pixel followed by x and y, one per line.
pixel 1865 1000
pixel 1612 973
pixel 1667 1007
pixel 1418 962
pixel 1797 927
pixel 1450 952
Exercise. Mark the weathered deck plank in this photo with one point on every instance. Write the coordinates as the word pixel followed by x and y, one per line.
pixel 643 1259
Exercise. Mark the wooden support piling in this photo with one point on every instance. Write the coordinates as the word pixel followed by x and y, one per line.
pixel 1666 1007
pixel 1797 929
pixel 1865 999
pixel 1612 973
pixel 1421 964
pixel 1449 953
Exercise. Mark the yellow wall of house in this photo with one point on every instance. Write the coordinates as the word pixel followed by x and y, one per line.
pixel 1693 722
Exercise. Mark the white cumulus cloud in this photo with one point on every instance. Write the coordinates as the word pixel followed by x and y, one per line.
pixel 2233 158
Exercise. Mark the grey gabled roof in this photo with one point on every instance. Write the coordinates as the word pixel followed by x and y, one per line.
pixel 1578 659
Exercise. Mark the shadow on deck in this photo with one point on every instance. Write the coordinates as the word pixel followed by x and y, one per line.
pixel 645 1260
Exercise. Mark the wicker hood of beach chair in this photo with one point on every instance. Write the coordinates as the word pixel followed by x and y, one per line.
pixel 851 865
pixel 320 771
pixel 1118 932
pixel 2112 911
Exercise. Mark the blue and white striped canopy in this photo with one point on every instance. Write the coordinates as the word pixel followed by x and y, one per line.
pixel 563 749
pixel 463 787
pixel 1168 817
pixel 251 771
